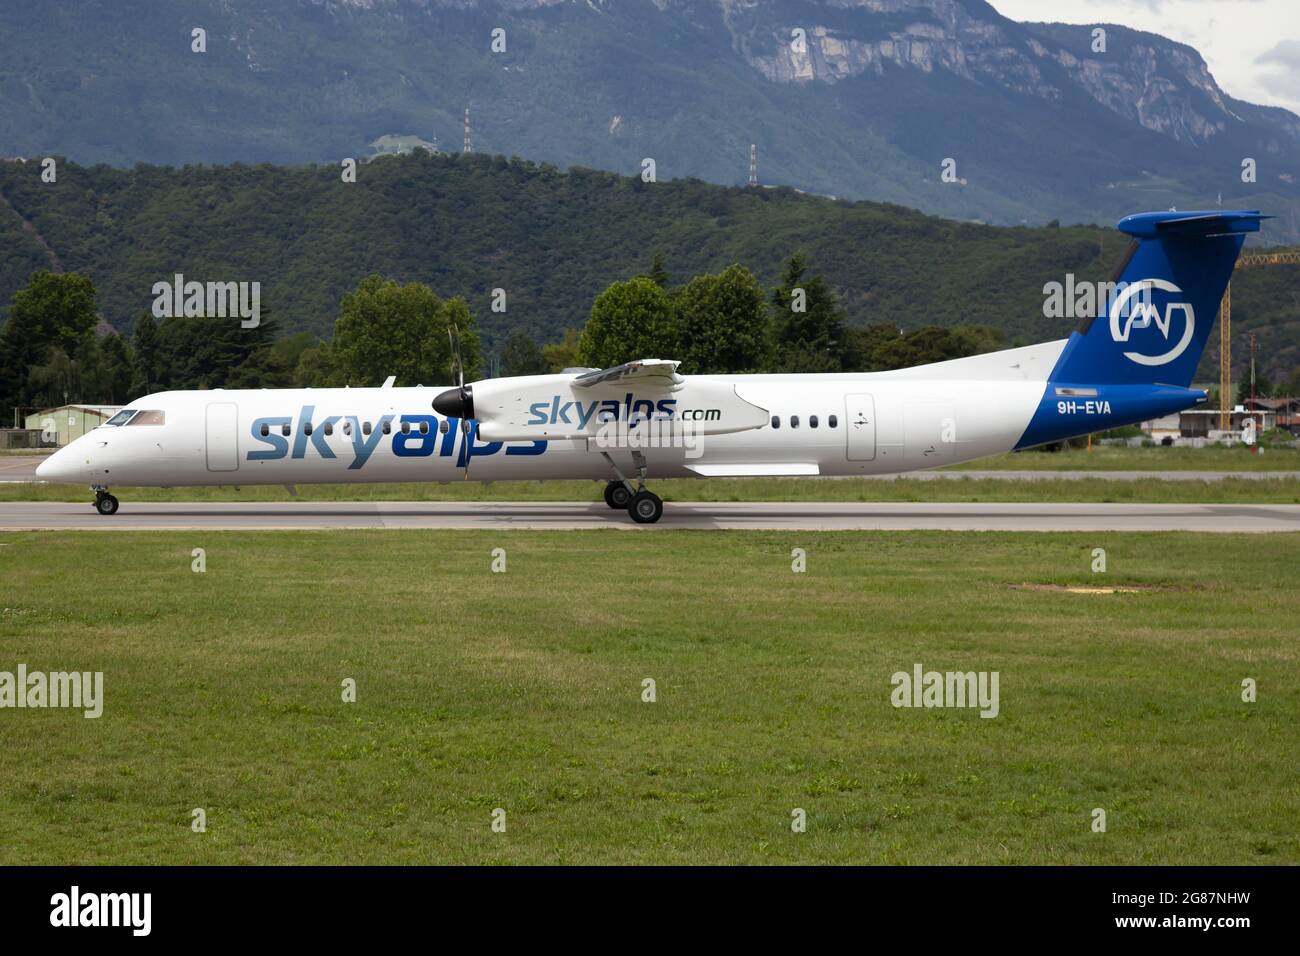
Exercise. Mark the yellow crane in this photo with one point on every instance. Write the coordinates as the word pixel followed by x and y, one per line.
pixel 1225 327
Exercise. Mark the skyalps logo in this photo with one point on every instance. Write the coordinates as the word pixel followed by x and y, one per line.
pixel 1134 309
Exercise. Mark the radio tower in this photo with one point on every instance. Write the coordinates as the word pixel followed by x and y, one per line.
pixel 467 148
pixel 753 164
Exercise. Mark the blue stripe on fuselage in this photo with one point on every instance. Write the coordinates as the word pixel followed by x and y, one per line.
pixel 1068 411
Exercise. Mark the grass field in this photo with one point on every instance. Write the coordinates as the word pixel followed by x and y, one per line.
pixel 1225 491
pixel 522 690
pixel 1111 458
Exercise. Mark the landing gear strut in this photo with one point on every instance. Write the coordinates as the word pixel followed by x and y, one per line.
pixel 105 503
pixel 644 506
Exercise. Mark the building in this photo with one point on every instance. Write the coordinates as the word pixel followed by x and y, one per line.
pixel 1166 427
pixel 69 421
pixel 1285 411
pixel 12 438
pixel 1204 423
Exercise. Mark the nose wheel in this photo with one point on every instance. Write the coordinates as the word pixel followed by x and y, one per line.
pixel 105 503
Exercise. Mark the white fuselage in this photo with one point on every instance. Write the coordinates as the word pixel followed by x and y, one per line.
pixel 869 423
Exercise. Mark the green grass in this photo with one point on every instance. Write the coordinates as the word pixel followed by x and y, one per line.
pixel 522 691
pixel 1110 458
pixel 1100 489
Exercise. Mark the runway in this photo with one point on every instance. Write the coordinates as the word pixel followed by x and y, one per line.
pixel 779 516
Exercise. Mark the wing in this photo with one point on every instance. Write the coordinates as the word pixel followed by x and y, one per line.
pixel 646 373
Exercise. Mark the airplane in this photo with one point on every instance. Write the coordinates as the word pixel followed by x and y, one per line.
pixel 1132 361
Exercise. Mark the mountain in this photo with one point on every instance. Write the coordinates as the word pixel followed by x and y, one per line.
pixel 868 103
pixel 470 224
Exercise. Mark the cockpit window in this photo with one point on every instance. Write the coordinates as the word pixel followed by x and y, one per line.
pixel 148 417
pixel 122 417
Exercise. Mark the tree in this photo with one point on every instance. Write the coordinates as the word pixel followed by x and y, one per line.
pixel 809 324
pixel 315 368
pixel 60 306
pixel 522 356
pixel 116 370
pixel 659 271
pixel 144 338
pixel 629 320
pixel 722 323
pixel 1262 388
pixel 54 313
pixel 386 328
pixel 882 346
pixel 863 346
pixel 563 354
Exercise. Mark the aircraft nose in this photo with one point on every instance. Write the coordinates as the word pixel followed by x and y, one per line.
pixel 64 465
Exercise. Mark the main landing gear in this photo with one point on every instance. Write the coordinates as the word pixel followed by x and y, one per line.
pixel 645 507
pixel 105 503
pixel 617 496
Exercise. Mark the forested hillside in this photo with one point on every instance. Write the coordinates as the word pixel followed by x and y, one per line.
pixel 469 224
pixel 864 99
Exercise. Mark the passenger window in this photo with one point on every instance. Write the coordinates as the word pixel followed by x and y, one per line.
pixel 443 427
pixel 406 428
pixel 285 429
pixel 424 428
pixel 776 421
pixel 388 428
pixel 794 421
pixel 329 428
pixel 121 418
pixel 833 422
pixel 812 421
pixel 151 417
pixel 347 429
pixel 306 428
pixel 365 428
pixel 266 429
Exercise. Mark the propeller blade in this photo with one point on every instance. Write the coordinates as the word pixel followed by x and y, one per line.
pixel 457 366
pixel 463 405
pixel 469 445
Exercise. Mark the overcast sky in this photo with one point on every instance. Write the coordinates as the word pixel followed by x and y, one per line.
pixel 1251 46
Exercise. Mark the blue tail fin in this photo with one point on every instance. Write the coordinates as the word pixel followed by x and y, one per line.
pixel 1153 324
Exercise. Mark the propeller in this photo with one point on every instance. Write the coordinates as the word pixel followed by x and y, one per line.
pixel 458 402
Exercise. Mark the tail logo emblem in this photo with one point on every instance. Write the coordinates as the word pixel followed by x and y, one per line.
pixel 1133 309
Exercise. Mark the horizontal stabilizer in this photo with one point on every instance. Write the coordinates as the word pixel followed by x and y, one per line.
pixel 1149 225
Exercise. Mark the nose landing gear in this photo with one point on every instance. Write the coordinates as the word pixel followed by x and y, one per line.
pixel 105 503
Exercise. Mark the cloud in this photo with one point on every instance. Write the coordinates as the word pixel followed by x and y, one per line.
pixel 1287 53
pixel 1283 84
